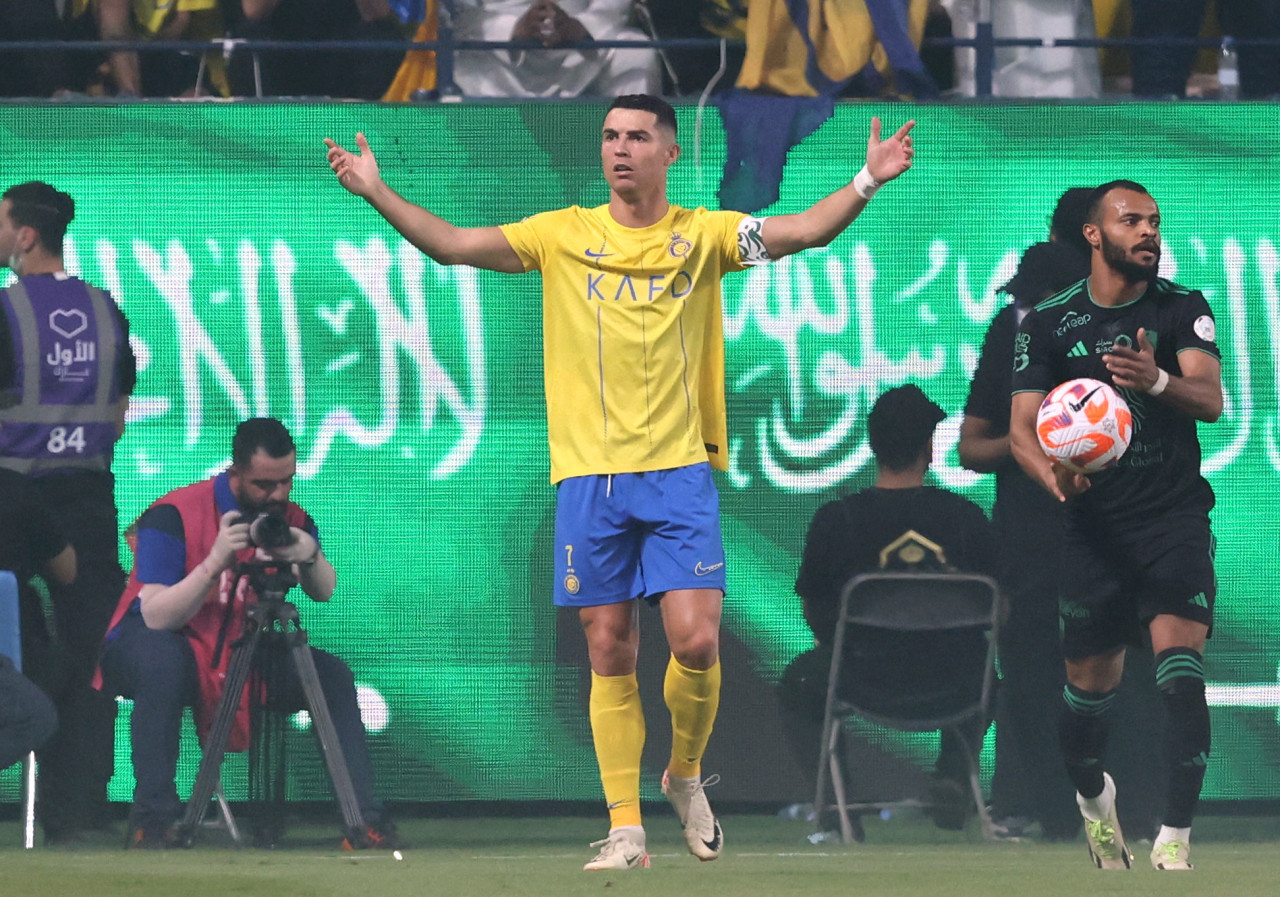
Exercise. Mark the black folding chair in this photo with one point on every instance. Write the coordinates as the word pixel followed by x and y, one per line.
pixel 910 610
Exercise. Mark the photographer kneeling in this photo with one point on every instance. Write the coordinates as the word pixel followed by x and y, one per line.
pixel 169 644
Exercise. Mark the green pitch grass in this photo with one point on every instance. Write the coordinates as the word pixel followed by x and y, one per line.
pixel 502 857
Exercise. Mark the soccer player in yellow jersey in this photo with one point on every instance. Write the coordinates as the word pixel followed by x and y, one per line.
pixel 633 356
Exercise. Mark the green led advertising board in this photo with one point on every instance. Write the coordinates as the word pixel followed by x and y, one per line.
pixel 256 285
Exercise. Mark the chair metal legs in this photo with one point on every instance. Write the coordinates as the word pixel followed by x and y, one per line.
pixel 972 761
pixel 29 801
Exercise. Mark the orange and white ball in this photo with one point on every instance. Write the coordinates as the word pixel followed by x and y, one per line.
pixel 1085 424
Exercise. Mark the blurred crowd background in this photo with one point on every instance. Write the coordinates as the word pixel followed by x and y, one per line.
pixel 912 49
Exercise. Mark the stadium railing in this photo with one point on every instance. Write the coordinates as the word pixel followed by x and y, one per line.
pixel 984 43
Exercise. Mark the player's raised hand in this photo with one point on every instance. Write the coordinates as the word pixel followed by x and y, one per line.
pixel 358 173
pixel 889 158
pixel 1133 368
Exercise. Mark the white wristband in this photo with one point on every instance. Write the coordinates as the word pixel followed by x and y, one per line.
pixel 1162 380
pixel 865 184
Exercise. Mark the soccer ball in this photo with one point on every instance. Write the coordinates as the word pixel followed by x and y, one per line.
pixel 1085 424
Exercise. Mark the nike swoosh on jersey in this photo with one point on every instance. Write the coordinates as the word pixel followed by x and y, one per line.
pixel 595 255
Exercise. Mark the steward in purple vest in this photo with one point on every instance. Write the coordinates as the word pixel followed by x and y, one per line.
pixel 66 372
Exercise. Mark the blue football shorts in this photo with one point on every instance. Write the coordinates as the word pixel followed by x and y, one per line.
pixel 637 535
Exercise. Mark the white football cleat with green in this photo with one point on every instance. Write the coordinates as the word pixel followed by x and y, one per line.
pixel 1171 856
pixel 1106 844
pixel 1107 848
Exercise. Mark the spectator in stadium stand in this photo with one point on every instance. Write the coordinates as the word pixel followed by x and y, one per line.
pixel 689 71
pixel 157 74
pixel 35 73
pixel 1031 71
pixel 351 74
pixel 552 72
pixel 1162 69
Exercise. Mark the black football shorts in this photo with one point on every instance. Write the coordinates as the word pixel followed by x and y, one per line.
pixel 1112 584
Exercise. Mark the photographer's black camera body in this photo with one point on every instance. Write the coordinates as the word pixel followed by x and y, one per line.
pixel 268 530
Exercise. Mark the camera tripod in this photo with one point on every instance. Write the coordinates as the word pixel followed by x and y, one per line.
pixel 271 614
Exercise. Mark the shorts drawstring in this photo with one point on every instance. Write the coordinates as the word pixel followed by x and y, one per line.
pixel 608 487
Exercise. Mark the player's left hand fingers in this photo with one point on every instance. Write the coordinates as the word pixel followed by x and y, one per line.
pixel 1126 352
pixel 1122 375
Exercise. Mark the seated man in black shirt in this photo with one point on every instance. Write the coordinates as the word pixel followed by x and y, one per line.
pixel 899 524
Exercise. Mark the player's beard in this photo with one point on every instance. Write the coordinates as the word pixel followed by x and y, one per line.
pixel 1118 259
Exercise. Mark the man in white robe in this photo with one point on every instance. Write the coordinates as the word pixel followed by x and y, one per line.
pixel 551 73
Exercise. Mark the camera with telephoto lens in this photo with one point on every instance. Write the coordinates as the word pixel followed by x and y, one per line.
pixel 268 531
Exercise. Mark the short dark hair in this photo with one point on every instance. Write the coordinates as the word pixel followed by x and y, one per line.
pixel 1045 269
pixel 38 205
pixel 1069 217
pixel 647 103
pixel 260 433
pixel 1099 193
pixel 900 425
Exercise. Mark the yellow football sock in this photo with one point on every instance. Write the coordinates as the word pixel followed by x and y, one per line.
pixel 693 697
pixel 617 727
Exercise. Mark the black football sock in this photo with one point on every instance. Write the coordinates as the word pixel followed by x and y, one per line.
pixel 1180 677
pixel 1082 732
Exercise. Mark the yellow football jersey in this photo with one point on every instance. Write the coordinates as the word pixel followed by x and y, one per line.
pixel 633 343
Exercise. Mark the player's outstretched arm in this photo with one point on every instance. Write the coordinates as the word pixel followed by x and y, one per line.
pixel 827 218
pixel 480 247
pixel 1056 479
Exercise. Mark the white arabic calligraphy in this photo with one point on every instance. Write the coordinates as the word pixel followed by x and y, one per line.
pixel 815 337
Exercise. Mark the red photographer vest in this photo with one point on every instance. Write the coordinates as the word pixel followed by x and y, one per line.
pixel 220 620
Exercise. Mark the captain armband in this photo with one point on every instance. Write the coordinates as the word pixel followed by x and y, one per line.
pixel 751 248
